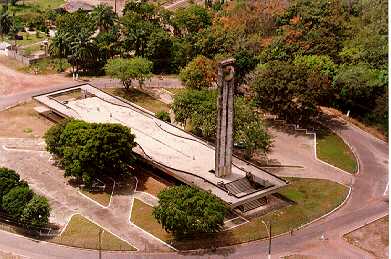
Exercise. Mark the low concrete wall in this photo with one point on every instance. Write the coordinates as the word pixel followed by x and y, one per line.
pixel 23 59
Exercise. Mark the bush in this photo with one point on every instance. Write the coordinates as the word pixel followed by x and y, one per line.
pixel 15 201
pixel 164 116
pixel 19 202
pixel 186 210
pixel 9 174
pixel 8 180
pixel 36 213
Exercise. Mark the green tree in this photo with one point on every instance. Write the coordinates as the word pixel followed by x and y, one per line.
pixel 82 50
pixel 249 131
pixel 358 87
pixel 184 210
pixel 289 91
pixel 107 43
pixel 88 150
pixel 140 24
pixel 36 213
pixel 199 73
pixel 53 136
pixel 126 70
pixel 245 61
pixel 316 63
pixel 191 19
pixel 59 48
pixel 8 180
pixel 16 200
pixel 158 50
pixel 5 22
pixel 103 17
pixel 200 109
pixel 367 35
pixel 9 174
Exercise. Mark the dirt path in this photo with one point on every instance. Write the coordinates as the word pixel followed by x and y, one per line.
pixel 15 82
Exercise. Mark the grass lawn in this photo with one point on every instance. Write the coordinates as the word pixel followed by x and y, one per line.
pixel 23 121
pixel 373 237
pixel 45 4
pixel 33 6
pixel 149 182
pixel 313 197
pixel 142 217
pixel 140 98
pixel 80 232
pixel 101 197
pixel 333 150
pixel 29 39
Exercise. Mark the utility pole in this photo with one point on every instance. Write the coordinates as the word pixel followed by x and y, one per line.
pixel 269 256
pixel 100 243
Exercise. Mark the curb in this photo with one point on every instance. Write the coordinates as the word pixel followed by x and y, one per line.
pixel 365 224
pixel 144 231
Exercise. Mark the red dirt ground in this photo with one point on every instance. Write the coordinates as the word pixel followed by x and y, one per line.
pixel 14 82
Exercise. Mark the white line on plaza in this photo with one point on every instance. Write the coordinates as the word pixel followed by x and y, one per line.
pixel 22 150
pixel 132 224
pixel 111 196
pixel 386 190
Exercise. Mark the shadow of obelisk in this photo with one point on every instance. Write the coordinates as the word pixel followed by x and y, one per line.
pixel 225 116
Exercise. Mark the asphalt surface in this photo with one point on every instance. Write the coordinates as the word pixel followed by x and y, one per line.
pixel 368 200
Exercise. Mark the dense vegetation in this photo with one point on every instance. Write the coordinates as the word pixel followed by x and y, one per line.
pixel 199 109
pixel 20 203
pixel 185 210
pixel 292 56
pixel 89 150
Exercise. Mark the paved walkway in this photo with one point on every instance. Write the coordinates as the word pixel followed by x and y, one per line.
pixel 299 150
pixel 47 179
pixel 366 203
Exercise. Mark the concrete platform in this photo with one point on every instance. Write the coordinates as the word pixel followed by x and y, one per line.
pixel 175 151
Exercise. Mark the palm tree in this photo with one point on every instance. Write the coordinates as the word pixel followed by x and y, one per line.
pixel 82 49
pixel 5 22
pixel 103 17
pixel 59 47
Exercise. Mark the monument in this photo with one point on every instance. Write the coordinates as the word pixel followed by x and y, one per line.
pixel 225 115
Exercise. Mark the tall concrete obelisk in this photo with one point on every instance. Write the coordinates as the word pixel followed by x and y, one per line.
pixel 225 115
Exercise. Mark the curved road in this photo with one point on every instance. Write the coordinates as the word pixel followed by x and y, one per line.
pixel 368 200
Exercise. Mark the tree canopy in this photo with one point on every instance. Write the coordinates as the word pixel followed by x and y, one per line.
pixel 127 70
pixel 199 73
pixel 89 150
pixel 184 210
pixel 20 202
pixel 200 109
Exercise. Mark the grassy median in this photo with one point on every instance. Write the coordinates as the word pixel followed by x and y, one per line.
pixel 80 232
pixel 313 198
pixel 333 150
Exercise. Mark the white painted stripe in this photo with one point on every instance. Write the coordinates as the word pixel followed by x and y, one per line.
pixel 132 224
